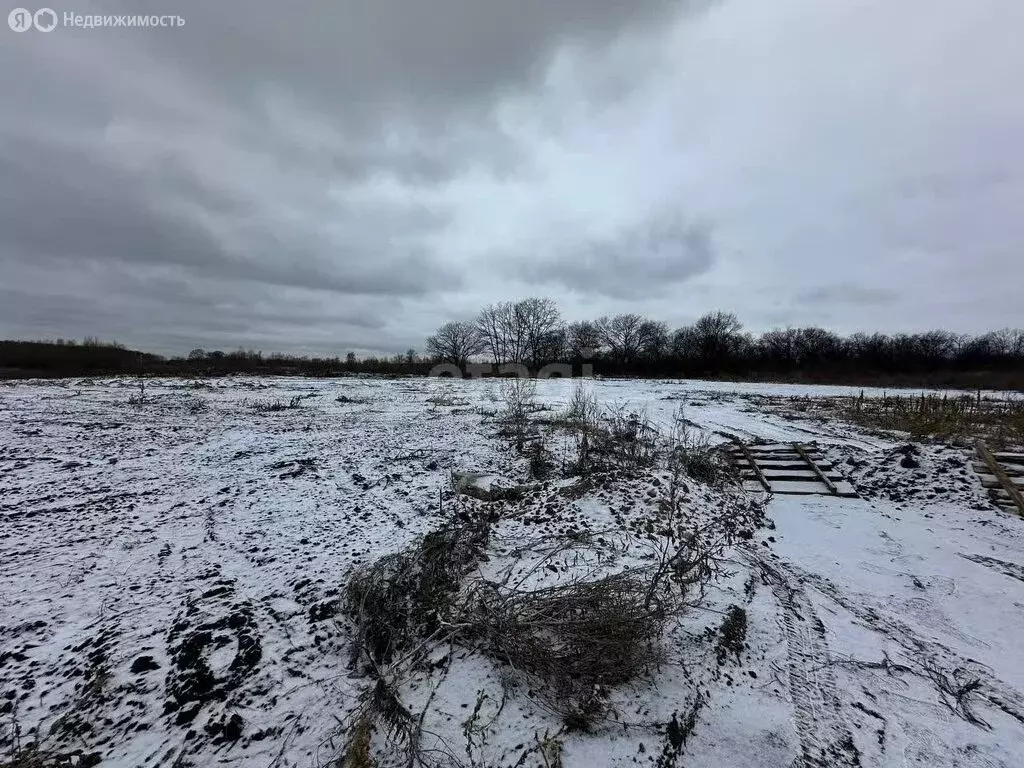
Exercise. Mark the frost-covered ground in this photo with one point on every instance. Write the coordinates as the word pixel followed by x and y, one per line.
pixel 170 574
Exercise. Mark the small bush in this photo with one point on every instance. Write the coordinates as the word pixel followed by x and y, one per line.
pixel 691 450
pixel 274 406
pixel 352 400
pixel 576 638
pixel 519 396
pixel 402 598
pixel 613 439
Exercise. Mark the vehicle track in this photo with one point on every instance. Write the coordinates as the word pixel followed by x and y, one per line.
pixel 825 738
pixel 993 690
pixel 1012 570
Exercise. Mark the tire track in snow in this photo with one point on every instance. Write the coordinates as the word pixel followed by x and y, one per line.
pixel 997 693
pixel 825 738
pixel 1012 570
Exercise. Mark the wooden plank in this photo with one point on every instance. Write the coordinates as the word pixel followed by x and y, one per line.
pixel 757 469
pixel 795 474
pixel 767 465
pixel 821 475
pixel 991 481
pixel 997 470
pixel 810 489
pixel 1012 458
pixel 982 468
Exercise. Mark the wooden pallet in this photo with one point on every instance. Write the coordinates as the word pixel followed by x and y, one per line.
pixel 789 469
pixel 1003 475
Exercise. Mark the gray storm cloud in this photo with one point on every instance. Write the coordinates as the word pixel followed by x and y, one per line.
pixel 332 176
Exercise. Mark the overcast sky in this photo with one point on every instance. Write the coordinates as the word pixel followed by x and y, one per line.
pixel 327 175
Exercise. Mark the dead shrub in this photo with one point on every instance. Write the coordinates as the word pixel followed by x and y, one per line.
pixel 351 400
pixel 382 711
pixel 583 410
pixel 36 753
pixel 542 462
pixel 403 597
pixel 628 438
pixel 615 438
pixel 275 406
pixel 691 451
pixel 519 397
pixel 575 638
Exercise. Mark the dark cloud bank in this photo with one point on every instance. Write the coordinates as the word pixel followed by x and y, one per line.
pixel 327 176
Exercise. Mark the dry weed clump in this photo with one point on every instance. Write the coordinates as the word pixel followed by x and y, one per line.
pixel 937 416
pixel 36 754
pixel 615 437
pixel 275 406
pixel 607 438
pixel 381 711
pixel 519 396
pixel 576 638
pixel 403 598
pixel 691 451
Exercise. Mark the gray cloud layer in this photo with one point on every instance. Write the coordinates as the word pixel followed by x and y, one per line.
pixel 329 176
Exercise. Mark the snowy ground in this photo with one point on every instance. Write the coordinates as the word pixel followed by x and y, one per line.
pixel 170 573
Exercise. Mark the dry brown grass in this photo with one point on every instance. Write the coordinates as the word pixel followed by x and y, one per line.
pixel 928 416
pixel 945 416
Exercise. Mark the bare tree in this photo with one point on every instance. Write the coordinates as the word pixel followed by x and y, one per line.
pixel 501 328
pixel 455 342
pixel 717 336
pixel 491 326
pixel 583 339
pixel 524 332
pixel 537 322
pixel 622 335
pixel 653 339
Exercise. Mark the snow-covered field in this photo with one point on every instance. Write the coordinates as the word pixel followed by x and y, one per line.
pixel 170 574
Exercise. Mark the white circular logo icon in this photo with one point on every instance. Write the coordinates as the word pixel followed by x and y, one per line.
pixel 20 20
pixel 45 19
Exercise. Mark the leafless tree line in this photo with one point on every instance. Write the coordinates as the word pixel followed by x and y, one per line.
pixel 531 333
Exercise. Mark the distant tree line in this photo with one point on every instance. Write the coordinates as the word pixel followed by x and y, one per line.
pixel 62 358
pixel 531 333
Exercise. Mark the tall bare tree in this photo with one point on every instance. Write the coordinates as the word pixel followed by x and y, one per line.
pixel 492 324
pixel 653 339
pixel 583 339
pixel 621 334
pixel 523 332
pixel 537 322
pixel 455 342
